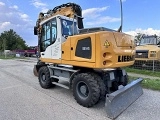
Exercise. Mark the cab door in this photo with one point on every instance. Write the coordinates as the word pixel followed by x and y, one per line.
pixel 51 40
pixel 56 39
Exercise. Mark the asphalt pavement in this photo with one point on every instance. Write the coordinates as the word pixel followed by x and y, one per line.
pixel 22 98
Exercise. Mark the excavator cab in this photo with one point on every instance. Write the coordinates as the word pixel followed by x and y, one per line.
pixel 53 33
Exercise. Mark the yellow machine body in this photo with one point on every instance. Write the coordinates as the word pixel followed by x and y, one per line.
pixel 108 50
pixel 90 60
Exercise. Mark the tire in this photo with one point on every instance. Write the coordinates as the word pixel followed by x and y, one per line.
pixel 40 63
pixel 44 78
pixel 35 72
pixel 126 79
pixel 101 85
pixel 86 82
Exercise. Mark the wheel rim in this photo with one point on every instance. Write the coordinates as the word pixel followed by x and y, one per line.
pixel 82 90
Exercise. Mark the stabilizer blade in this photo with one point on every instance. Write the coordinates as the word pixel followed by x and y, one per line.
pixel 121 99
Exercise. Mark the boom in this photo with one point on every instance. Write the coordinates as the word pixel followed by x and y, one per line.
pixel 70 10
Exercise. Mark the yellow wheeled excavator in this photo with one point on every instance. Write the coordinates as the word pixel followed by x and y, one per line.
pixel 89 59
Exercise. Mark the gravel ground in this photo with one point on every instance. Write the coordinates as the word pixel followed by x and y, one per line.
pixel 23 99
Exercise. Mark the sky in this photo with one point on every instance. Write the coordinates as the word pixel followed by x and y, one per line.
pixel 139 16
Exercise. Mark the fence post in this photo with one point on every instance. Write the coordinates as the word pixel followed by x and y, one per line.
pixel 153 65
pixel 5 54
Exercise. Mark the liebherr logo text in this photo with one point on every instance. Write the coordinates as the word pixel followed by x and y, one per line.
pixel 125 58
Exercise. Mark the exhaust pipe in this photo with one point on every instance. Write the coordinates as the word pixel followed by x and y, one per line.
pixel 121 99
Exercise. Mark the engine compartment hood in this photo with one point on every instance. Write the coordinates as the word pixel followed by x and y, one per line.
pixel 94 29
pixel 122 39
pixel 148 47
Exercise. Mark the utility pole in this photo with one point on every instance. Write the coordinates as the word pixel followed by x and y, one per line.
pixel 121 7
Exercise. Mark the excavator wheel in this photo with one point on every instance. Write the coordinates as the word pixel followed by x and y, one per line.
pixel 35 71
pixel 101 86
pixel 116 84
pixel 126 79
pixel 86 89
pixel 44 78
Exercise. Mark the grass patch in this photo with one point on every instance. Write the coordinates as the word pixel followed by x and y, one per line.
pixel 11 57
pixel 153 84
pixel 144 72
pixel 8 57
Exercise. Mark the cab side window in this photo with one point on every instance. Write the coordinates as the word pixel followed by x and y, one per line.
pixel 54 31
pixel 49 33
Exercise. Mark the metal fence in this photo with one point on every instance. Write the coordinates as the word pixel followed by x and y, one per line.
pixel 151 65
pixel 11 54
pixel 147 61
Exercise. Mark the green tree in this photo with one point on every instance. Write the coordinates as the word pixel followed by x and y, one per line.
pixel 11 41
pixel 138 37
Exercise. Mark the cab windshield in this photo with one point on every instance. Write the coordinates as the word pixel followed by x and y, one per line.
pixel 68 28
pixel 149 40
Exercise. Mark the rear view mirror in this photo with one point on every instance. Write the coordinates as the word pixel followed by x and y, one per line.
pixel 35 30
